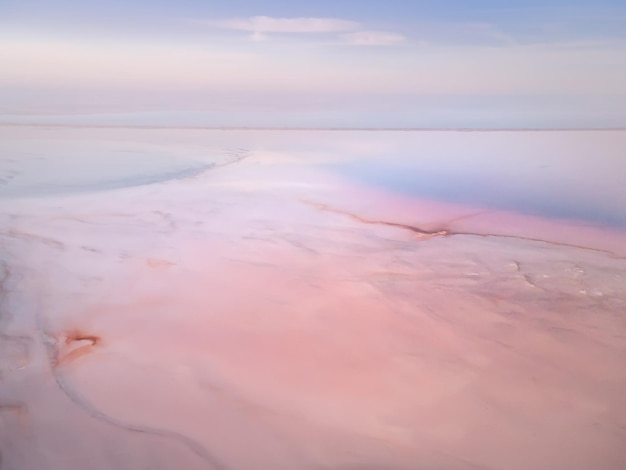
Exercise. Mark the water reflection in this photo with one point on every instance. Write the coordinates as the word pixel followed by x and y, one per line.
pixel 533 194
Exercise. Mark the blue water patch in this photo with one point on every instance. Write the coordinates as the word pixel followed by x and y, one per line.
pixel 550 198
pixel 59 188
pixel 141 180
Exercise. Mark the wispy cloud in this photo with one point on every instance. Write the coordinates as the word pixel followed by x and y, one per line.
pixel 350 32
pixel 373 38
pixel 268 24
pixel 262 28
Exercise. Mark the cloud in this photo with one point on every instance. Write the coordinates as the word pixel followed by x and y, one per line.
pixel 372 38
pixel 262 27
pixel 268 24
pixel 258 37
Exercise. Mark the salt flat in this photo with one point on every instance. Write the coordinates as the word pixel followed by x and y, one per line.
pixel 312 299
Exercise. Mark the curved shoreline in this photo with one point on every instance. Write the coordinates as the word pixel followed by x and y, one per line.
pixel 132 182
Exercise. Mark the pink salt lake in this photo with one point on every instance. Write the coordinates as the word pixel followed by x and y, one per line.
pixel 251 300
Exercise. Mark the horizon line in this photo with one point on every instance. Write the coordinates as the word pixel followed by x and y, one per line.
pixel 287 128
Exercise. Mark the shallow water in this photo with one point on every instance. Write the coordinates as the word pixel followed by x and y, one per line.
pixel 43 162
pixel 542 191
pixel 312 299
pixel 558 174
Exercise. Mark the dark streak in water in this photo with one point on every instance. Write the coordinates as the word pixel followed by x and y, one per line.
pixel 424 233
pixel 443 232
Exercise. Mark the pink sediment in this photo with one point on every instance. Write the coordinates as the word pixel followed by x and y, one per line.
pixel 277 326
pixel 397 365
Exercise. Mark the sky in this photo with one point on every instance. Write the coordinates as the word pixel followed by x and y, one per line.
pixel 457 63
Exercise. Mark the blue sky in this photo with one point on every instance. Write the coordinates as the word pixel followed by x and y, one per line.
pixel 573 19
pixel 191 54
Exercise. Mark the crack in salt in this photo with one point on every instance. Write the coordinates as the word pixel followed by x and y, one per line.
pixel 81 402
